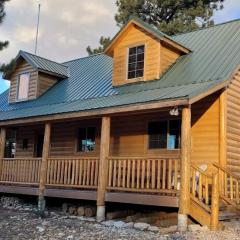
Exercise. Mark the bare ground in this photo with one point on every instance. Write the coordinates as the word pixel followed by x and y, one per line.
pixel 19 224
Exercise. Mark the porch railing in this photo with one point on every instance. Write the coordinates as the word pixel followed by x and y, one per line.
pixel 73 172
pixel 20 170
pixel 139 174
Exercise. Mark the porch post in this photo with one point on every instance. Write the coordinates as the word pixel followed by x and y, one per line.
pixel 103 167
pixel 223 131
pixel 2 147
pixel 185 169
pixel 43 171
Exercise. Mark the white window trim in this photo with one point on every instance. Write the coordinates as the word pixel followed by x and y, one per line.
pixel 127 61
pixel 17 93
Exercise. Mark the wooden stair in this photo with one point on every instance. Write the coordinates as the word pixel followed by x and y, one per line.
pixel 214 199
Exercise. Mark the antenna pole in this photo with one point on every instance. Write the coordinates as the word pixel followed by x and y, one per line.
pixel 36 43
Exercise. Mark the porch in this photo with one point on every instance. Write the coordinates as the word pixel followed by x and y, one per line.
pixel 130 179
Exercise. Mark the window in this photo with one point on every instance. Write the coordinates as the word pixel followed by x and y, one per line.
pixel 136 62
pixel 25 144
pixel 23 83
pixel 10 145
pixel 164 134
pixel 86 139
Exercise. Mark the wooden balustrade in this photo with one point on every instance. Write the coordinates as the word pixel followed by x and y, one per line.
pixel 21 170
pixel 73 172
pixel 201 185
pixel 229 185
pixel 138 174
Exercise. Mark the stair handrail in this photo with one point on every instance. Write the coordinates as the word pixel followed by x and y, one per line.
pixel 229 185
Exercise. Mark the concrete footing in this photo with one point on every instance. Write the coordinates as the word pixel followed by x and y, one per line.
pixel 182 222
pixel 100 213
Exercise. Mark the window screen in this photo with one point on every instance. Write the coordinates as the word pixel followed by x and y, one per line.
pixel 86 139
pixel 23 83
pixel 136 62
pixel 174 134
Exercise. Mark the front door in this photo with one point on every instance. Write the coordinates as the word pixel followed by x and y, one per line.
pixel 39 145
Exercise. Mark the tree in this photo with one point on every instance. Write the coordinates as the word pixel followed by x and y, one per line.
pixel 3 44
pixel 169 16
pixel 7 67
pixel 104 41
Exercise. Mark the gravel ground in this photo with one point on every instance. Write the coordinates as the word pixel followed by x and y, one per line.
pixel 22 224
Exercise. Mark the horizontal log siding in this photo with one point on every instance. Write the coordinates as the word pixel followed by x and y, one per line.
pixel 23 67
pixel 128 137
pixel 168 57
pixel 233 125
pixel 29 133
pixel 64 138
pixel 45 82
pixel 205 131
pixel 136 36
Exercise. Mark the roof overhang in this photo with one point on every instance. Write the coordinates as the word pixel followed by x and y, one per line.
pixel 124 109
pixel 148 28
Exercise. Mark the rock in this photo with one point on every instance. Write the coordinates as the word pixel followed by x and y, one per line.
pixel 109 223
pixel 153 229
pixel 70 237
pixel 40 229
pixel 195 227
pixel 119 224
pixel 129 225
pixel 64 208
pixel 141 226
pixel 167 230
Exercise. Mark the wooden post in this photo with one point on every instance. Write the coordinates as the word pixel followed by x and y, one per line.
pixel 215 203
pixel 222 129
pixel 103 167
pixel 2 148
pixel 43 171
pixel 185 169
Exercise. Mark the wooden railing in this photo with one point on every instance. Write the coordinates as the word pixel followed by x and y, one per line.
pixel 20 170
pixel 229 185
pixel 201 185
pixel 204 197
pixel 73 172
pixel 138 174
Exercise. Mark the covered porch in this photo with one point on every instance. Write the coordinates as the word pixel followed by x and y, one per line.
pixel 142 157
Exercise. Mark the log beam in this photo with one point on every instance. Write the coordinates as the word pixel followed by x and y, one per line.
pixel 43 171
pixel 222 129
pixel 103 167
pixel 185 169
pixel 215 203
pixel 2 147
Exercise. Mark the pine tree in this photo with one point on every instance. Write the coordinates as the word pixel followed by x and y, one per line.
pixel 170 16
pixel 3 44
pixel 104 41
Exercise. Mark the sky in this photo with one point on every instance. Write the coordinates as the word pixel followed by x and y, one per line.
pixel 68 27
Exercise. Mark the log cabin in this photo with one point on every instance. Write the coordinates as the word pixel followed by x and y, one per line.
pixel 154 120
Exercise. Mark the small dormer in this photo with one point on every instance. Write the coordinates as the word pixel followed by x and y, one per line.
pixel 140 52
pixel 32 76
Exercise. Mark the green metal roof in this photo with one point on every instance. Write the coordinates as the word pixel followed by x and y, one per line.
pixel 43 64
pixel 214 57
pixel 149 28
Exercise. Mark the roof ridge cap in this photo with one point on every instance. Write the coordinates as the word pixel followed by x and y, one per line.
pixel 43 58
pixel 93 55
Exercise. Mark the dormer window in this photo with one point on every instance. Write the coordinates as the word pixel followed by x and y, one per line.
pixel 23 86
pixel 136 62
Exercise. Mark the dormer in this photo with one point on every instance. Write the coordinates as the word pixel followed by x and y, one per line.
pixel 32 76
pixel 141 52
